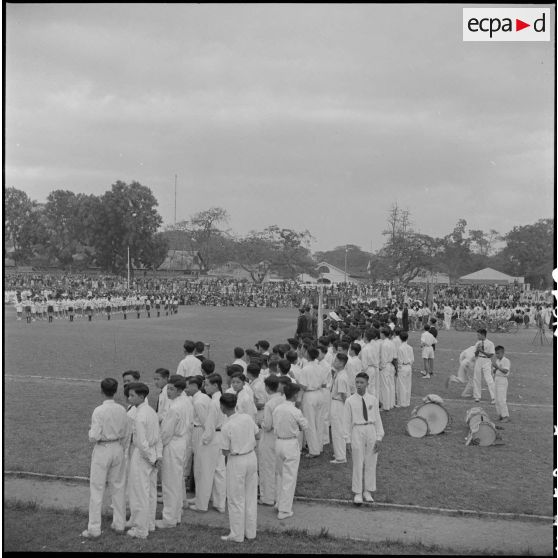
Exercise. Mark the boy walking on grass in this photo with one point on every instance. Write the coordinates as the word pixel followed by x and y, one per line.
pixel 501 369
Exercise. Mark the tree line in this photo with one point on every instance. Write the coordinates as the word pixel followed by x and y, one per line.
pixel 78 231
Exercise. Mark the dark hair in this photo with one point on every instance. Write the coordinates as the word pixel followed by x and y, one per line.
pixel 199 346
pixel 283 379
pixel 371 333
pixel 284 366
pixel 272 382
pixel 189 346
pixel 404 335
pixel 291 356
pixel 208 366
pixel 228 400
pixel 482 331
pixel 234 369
pixel 263 344
pixel 198 380
pixel 386 331
pixel 342 357
pixel 313 353
pixel 163 372
pixel 178 381
pixel 362 375
pixel 109 386
pixel 344 345
pixel 215 379
pixel 290 390
pixel 253 370
pixel 356 348
pixel 238 352
pixel 134 373
pixel 499 348
pixel 139 388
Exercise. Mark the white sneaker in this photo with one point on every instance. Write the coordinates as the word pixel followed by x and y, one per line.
pixel 357 499
pixel 368 496
pixel 284 515
pixel 135 534
pixel 426 376
pixel 89 535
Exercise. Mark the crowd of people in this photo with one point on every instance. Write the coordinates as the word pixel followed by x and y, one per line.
pixel 236 440
pixel 107 295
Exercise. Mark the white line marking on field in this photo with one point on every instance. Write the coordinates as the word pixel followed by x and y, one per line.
pixel 16 377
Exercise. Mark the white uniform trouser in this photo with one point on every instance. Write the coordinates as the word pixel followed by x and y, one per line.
pixel 172 471
pixel 219 490
pixel 311 409
pixel 387 387
pixel 266 465
pixel 142 486
pixel 187 464
pixel 403 385
pixel 107 468
pixel 363 439
pixel 325 416
pixel 465 373
pixel 287 461
pixel 337 430
pixel 483 367
pixel 242 495
pixel 373 381
pixel 447 321
pixel 205 463
pixel 501 389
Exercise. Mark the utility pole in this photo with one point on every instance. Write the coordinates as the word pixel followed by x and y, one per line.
pixel 345 263
pixel 175 178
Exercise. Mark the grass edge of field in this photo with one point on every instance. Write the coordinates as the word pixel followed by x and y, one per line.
pixel 318 543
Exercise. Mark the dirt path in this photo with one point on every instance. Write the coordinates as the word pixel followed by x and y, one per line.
pixel 367 523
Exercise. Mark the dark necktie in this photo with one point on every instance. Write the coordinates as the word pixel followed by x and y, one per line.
pixel 364 410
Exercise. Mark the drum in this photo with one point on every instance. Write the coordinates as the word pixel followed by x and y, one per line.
pixel 417 427
pixel 435 415
pixel 482 429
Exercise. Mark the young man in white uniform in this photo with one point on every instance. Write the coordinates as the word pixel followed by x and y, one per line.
pixel 238 439
pixel 340 391
pixel 189 365
pixel 109 429
pixel 288 421
pixel 364 432
pixel 484 351
pixel 405 360
pixel 174 427
pixel 147 452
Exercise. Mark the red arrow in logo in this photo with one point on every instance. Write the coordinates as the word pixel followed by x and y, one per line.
pixel 519 25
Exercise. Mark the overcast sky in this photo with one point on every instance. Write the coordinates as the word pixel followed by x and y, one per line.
pixel 314 117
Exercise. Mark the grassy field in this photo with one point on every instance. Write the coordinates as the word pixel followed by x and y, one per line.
pixel 46 421
pixel 35 529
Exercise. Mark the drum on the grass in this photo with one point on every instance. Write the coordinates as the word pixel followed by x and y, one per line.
pixel 417 427
pixel 435 415
pixel 482 429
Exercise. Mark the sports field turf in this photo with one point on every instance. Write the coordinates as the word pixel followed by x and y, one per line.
pixel 46 420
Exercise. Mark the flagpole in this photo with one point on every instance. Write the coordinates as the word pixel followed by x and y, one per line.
pixel 345 263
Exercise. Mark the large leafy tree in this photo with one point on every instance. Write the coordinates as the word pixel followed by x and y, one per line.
pixel 529 252
pixel 203 232
pixel 456 251
pixel 281 250
pixel 125 218
pixel 406 252
pixel 61 218
pixel 21 224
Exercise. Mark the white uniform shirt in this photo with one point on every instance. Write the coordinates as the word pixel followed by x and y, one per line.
pixel 174 423
pixel 340 384
pixel 189 366
pixel 242 363
pixel 353 414
pixel 370 355
pixel 405 354
pixel 311 376
pixel 238 434
pixel 163 404
pixel 288 421
pixel 146 433
pixel 108 422
pixel 273 401
pixel 353 367
pixel 486 346
pixel 388 352
pixel 505 364
pixel 427 339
